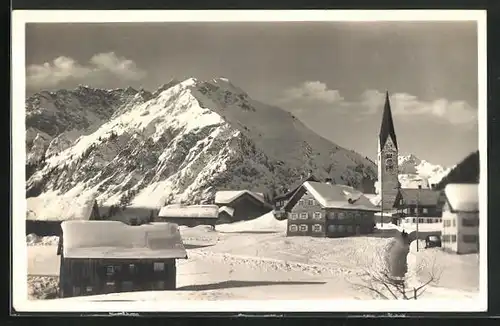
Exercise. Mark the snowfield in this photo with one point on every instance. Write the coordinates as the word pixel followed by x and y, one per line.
pixel 254 260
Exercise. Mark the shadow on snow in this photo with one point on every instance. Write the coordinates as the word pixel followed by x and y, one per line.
pixel 240 284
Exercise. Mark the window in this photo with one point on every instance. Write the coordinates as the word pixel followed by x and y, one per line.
pixel 303 228
pixel 454 222
pixel 453 238
pixel 426 211
pixel 301 202
pixel 88 289
pixel 317 228
pixel 446 223
pixel 303 216
pixel 388 155
pixel 413 220
pixel 470 222
pixel 317 215
pixel 331 215
pixel 76 290
pixel 341 215
pixel 293 228
pixel 341 228
pixel 294 216
pixel 158 267
pixel 358 229
pixel 470 238
pixel 310 202
pixel 110 270
pixel 131 268
pixel 445 237
pixel 332 228
pixel 350 228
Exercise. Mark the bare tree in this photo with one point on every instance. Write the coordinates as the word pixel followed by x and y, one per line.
pixel 378 278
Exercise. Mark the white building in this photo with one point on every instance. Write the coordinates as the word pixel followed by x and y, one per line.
pixel 460 232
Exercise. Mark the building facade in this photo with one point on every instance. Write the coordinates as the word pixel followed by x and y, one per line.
pixel 419 203
pixel 387 159
pixel 99 257
pixel 460 233
pixel 310 215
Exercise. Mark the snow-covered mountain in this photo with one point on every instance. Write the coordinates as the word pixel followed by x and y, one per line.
pixel 183 142
pixel 414 171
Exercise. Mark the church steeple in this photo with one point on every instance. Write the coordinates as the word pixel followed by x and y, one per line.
pixel 387 127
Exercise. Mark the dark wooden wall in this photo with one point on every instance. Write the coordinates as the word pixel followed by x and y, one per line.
pixel 247 208
pixel 84 273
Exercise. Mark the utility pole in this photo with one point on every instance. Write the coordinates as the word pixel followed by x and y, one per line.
pixel 418 199
pixel 381 195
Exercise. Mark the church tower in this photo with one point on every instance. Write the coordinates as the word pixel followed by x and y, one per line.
pixel 387 158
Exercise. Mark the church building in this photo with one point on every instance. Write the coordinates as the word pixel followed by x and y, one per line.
pixel 388 159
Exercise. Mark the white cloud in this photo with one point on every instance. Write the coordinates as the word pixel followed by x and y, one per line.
pixel 311 92
pixel 100 66
pixel 316 95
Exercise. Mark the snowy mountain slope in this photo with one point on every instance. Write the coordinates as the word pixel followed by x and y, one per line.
pixel 414 171
pixel 182 142
pixel 55 119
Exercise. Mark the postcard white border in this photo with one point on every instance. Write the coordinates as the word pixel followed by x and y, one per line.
pixel 21 17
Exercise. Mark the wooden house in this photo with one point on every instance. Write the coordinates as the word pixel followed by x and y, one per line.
pixel 419 202
pixel 44 215
pixel 191 215
pixel 131 214
pixel 225 214
pixel 323 209
pixel 460 233
pixel 99 257
pixel 246 204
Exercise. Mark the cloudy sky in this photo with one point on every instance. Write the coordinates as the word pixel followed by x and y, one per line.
pixel 331 75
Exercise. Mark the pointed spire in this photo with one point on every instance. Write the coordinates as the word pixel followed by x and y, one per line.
pixel 387 127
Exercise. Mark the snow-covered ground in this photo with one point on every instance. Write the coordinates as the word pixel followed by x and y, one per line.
pixel 255 260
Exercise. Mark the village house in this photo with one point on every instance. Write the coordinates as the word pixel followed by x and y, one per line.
pixel 460 231
pixel 44 215
pixel 247 205
pixel 132 214
pixel 323 209
pixel 191 215
pixel 99 257
pixel 423 204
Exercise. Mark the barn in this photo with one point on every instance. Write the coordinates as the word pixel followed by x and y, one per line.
pixel 99 257
pixel 191 215
pixel 45 214
pixel 247 205
pixel 225 214
pixel 324 209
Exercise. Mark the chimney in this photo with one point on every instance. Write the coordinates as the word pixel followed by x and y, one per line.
pixel 419 186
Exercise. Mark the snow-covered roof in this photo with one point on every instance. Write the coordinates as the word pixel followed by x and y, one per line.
pixel 126 214
pixel 424 197
pixel 375 199
pixel 339 196
pixel 227 209
pixel 115 240
pixel 228 196
pixel 462 197
pixel 191 211
pixel 59 208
